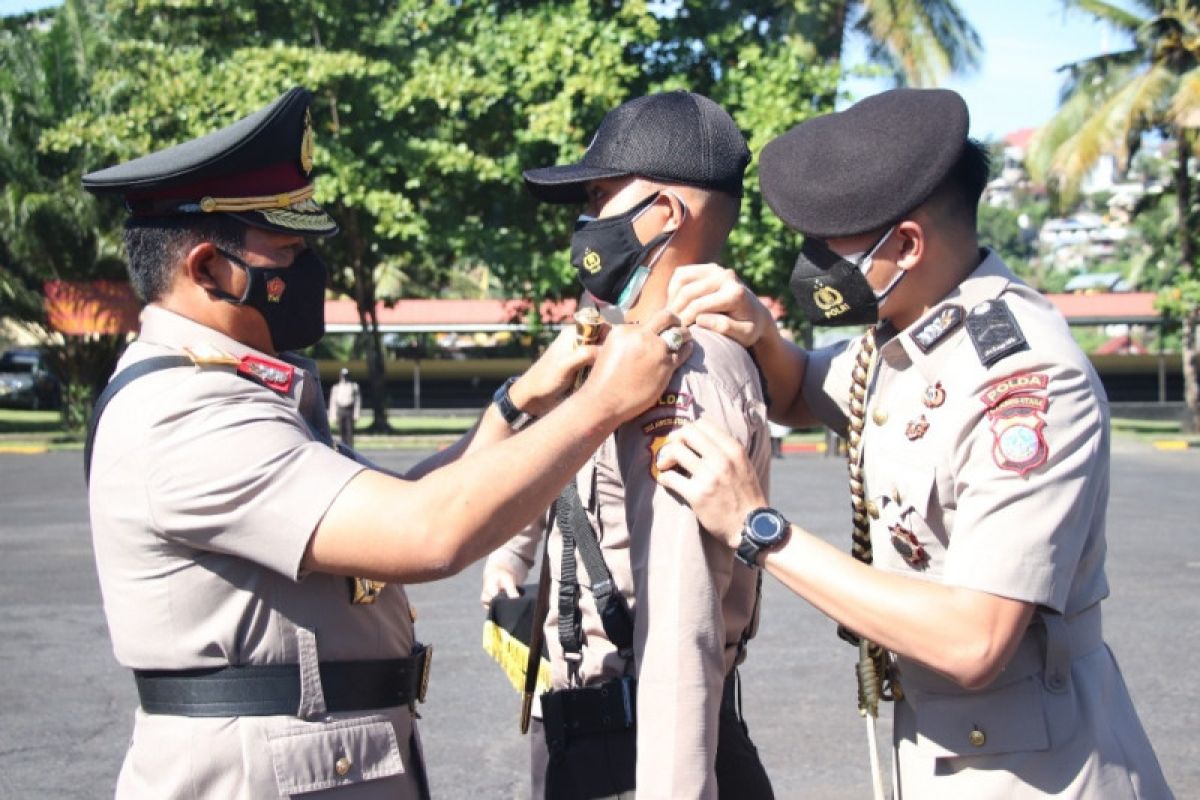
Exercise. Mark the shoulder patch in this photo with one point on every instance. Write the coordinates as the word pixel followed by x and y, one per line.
pixel 994 331
pixel 937 326
pixel 1020 383
pixel 274 375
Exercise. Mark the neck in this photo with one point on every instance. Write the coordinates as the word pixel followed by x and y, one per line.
pixel 945 273
pixel 653 297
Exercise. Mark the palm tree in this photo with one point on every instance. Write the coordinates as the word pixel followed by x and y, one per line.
pixel 1109 102
pixel 920 42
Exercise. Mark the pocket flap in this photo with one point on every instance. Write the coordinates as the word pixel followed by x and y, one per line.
pixel 321 755
pixel 1009 719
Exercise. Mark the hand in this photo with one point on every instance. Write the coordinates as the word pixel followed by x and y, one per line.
pixel 497 579
pixel 546 383
pixel 713 297
pixel 716 480
pixel 634 366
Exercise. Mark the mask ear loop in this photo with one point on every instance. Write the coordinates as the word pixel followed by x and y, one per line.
pixel 633 289
pixel 226 296
pixel 868 259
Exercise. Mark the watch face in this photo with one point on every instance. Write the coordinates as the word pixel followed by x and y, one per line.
pixel 767 528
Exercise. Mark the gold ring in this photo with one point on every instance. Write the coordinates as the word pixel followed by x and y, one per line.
pixel 673 338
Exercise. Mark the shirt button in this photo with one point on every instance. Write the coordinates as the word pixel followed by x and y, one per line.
pixel 879 416
pixel 342 766
pixel 977 738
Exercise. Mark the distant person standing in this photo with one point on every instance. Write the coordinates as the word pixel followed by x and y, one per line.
pixel 345 404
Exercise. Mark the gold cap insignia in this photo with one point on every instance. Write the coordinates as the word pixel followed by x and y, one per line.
pixel 306 144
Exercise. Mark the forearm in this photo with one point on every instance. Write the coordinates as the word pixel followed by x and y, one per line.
pixel 412 532
pixel 783 364
pixel 967 635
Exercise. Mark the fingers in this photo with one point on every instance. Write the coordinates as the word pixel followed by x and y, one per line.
pixel 678 454
pixel 662 320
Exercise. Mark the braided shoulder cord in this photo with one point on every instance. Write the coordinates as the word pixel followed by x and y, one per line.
pixel 873 670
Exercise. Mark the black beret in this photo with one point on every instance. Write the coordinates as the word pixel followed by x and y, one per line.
pixel 861 169
pixel 673 137
pixel 256 170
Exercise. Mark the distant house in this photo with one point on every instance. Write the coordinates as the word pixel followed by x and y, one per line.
pixel 1097 282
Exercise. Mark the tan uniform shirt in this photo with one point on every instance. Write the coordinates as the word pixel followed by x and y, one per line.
pixel 995 478
pixel 205 490
pixel 700 600
pixel 344 395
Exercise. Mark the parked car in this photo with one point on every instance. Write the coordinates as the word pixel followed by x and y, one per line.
pixel 26 381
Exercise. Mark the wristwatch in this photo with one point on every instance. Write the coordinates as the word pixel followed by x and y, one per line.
pixel 515 417
pixel 765 529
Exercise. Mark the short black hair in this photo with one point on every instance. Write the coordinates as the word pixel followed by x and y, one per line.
pixel 956 198
pixel 154 246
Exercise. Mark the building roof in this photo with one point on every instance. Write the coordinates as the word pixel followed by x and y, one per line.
pixel 1107 308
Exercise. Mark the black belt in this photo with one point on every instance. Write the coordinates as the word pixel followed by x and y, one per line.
pixel 258 690
pixel 606 708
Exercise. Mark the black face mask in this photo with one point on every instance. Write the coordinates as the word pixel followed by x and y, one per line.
pixel 606 253
pixel 833 290
pixel 291 299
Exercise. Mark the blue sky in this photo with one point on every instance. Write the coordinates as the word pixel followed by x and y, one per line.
pixel 1016 85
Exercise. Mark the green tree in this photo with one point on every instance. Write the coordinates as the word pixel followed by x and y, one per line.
pixel 1110 102
pixel 50 229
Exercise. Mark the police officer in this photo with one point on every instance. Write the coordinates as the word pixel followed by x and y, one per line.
pixel 979 461
pixel 251 574
pixel 660 186
pixel 345 404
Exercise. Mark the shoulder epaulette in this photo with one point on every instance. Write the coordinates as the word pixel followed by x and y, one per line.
pixel 275 375
pixel 994 332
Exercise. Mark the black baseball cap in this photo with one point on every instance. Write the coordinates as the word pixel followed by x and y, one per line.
pixel 673 137
pixel 864 168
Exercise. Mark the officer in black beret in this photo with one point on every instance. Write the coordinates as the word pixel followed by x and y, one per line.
pixel 251 572
pixel 978 438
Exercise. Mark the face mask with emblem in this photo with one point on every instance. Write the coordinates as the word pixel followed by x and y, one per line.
pixel 291 299
pixel 832 289
pixel 609 258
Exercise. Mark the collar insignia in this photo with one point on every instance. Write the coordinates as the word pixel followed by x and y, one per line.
pixel 937 326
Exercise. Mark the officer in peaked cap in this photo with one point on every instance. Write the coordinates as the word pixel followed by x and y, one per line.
pixel 978 436
pixel 251 572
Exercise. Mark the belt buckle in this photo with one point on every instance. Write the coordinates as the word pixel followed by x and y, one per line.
pixel 426 664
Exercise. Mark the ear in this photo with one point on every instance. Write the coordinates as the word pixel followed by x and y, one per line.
pixel 676 211
pixel 200 265
pixel 910 237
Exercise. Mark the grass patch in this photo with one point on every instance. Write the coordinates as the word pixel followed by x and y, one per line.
pixel 1145 427
pixel 16 420
pixel 410 425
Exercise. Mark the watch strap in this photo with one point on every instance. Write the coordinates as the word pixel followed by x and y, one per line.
pixel 747 552
pixel 515 417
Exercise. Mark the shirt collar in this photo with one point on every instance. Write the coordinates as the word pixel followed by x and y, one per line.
pixel 986 282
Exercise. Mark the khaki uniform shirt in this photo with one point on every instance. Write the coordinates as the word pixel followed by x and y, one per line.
pixel 995 478
pixel 344 396
pixel 701 600
pixel 205 489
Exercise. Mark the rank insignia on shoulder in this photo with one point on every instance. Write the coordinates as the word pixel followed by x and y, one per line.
pixel 205 355
pixel 994 331
pixel 937 326
pixel 272 374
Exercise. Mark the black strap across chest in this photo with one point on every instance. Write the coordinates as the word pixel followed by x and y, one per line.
pixel 119 382
pixel 614 611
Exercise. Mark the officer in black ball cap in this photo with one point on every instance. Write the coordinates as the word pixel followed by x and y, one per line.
pixel 251 572
pixel 978 439
pixel 650 704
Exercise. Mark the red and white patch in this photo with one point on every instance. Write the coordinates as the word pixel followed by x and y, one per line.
pixel 1021 383
pixel 1020 445
pixel 275 289
pixel 677 400
pixel 273 374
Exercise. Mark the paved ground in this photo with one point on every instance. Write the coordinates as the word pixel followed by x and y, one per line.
pixel 65 706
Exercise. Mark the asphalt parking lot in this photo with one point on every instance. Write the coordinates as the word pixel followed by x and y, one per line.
pixel 66 707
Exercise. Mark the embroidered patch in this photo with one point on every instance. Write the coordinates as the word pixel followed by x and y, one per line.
pixel 1020 383
pixel 916 429
pixel 905 543
pixel 1020 445
pixel 679 400
pixel 655 445
pixel 934 395
pixel 994 332
pixel 937 326
pixel 275 289
pixel 656 427
pixel 274 374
